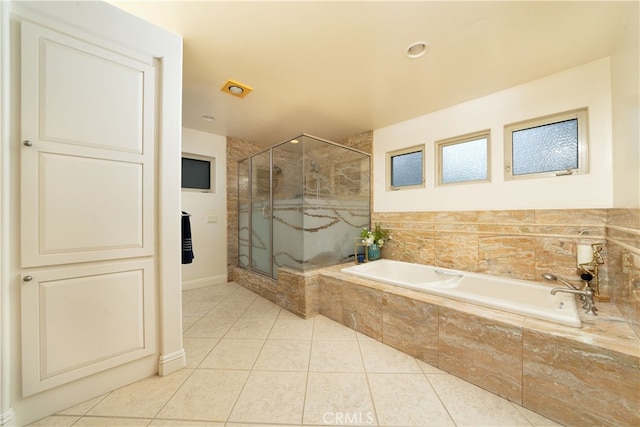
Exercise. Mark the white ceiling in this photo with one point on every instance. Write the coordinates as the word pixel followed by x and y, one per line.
pixel 334 69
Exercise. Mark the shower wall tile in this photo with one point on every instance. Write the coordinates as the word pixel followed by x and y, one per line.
pixel 298 292
pixel 483 351
pixel 411 326
pixel 261 285
pixel 362 142
pixel 237 149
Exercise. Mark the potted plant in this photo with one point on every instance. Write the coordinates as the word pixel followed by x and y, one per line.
pixel 374 239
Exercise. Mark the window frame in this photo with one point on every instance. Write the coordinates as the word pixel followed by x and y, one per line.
pixel 469 137
pixel 583 143
pixel 390 154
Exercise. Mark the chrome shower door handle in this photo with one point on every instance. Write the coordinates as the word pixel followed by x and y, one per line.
pixel 266 212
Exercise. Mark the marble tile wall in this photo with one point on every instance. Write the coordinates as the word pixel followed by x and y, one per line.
pixel 237 149
pixel 523 244
pixel 483 351
pixel 520 244
pixel 362 142
pixel 623 246
pixel 298 292
pixel 412 326
pixel 579 384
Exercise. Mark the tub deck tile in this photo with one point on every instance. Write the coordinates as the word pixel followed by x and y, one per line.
pixel 411 326
pixel 578 383
pixel 482 351
pixel 331 298
pixel 362 309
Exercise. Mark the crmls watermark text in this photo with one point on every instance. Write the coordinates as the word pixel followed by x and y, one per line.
pixel 346 418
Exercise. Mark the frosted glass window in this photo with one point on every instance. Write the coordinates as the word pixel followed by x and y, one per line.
pixel 405 168
pixel 547 148
pixel 550 146
pixel 464 159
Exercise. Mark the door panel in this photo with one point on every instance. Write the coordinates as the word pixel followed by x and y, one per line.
pixel 110 192
pixel 86 95
pixel 81 320
pixel 87 160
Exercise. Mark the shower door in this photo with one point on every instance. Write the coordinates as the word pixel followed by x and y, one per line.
pixel 261 212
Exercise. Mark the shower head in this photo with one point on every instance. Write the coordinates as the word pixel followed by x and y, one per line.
pixel 277 169
pixel 315 166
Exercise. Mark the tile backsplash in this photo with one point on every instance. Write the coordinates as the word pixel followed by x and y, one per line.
pixel 524 244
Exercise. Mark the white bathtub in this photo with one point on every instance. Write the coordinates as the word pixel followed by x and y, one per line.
pixel 515 296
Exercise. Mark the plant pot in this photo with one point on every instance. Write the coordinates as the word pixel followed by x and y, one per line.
pixel 374 252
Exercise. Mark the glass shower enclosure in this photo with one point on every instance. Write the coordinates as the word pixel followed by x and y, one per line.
pixel 301 204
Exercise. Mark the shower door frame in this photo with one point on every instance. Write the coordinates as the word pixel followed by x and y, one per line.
pixel 250 207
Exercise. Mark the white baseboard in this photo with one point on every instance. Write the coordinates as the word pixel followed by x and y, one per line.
pixel 173 362
pixel 7 417
pixel 207 281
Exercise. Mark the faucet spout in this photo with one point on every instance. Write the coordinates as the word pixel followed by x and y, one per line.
pixel 587 292
pixel 553 278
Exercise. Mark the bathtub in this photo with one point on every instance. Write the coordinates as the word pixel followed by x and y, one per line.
pixel 512 295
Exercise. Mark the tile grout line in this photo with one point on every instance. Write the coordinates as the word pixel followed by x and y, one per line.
pixel 306 383
pixel 366 376
pixel 435 391
pixel 251 370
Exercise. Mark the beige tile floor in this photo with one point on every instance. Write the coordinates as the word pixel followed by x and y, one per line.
pixel 251 363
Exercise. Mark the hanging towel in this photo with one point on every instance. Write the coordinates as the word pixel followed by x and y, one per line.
pixel 187 245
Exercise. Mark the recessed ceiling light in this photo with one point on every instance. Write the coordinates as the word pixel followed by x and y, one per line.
pixel 294 141
pixel 417 49
pixel 236 89
pixel 208 118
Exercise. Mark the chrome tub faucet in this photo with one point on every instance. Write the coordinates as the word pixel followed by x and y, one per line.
pixel 585 294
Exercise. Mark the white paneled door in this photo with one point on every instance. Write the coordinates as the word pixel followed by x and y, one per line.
pixel 87 207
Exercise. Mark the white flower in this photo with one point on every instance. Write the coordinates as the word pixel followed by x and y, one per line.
pixel 370 240
pixel 380 242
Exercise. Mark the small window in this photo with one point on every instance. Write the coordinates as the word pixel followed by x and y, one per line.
pixel 549 146
pixel 405 168
pixel 464 158
pixel 197 173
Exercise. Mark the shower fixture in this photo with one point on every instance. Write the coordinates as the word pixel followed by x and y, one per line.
pixel 315 166
pixel 276 169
